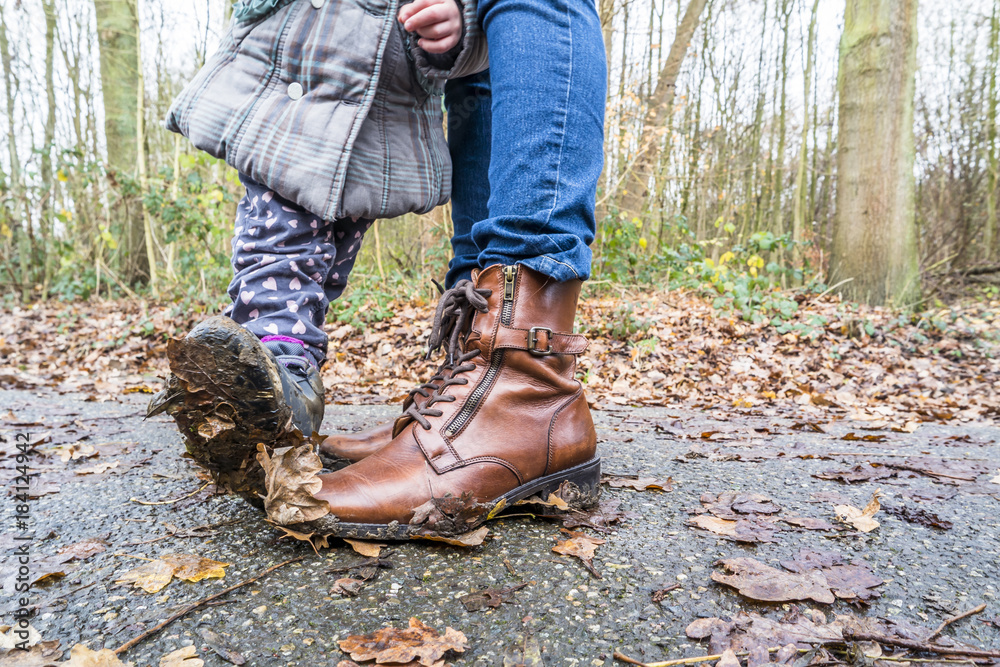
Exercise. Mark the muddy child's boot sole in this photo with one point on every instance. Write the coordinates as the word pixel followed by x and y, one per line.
pixel 226 396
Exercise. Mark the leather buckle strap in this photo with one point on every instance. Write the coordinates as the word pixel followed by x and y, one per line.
pixel 539 341
pixel 533 341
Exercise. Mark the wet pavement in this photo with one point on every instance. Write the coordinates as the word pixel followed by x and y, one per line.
pixel 290 618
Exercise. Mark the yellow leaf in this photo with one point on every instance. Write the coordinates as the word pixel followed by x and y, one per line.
pixel 150 577
pixel 195 568
pixel 367 549
pixel 61 176
pixel 642 243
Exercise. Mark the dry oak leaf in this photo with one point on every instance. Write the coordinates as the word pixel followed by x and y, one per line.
pixel 347 587
pixel 182 657
pixel 418 642
pixel 860 519
pixel 728 659
pixel 290 476
pixel 489 597
pixel 552 501
pixel 366 549
pixel 150 577
pixel 81 656
pixel 753 529
pixel 732 506
pixel 582 546
pixel 760 582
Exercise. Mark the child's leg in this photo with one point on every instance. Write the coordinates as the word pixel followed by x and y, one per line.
pixel 289 264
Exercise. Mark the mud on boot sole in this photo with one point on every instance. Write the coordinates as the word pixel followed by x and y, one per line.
pixel 579 487
pixel 225 395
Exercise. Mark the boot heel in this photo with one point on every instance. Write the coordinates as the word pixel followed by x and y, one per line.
pixel 579 486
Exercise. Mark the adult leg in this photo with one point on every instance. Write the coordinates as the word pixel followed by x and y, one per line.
pixel 469 134
pixel 470 121
pixel 511 421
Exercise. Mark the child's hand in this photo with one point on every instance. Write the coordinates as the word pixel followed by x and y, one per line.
pixel 438 22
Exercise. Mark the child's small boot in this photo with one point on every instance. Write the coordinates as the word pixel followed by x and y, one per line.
pixel 228 391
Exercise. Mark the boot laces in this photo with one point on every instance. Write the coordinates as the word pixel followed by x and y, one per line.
pixel 453 315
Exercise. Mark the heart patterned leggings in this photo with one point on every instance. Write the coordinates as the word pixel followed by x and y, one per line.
pixel 289 265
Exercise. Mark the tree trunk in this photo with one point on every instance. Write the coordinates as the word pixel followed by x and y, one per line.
pixel 658 112
pixel 117 29
pixel 19 228
pixel 799 206
pixel 990 229
pixel 875 243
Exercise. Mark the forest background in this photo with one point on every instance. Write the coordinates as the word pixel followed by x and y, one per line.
pixel 755 149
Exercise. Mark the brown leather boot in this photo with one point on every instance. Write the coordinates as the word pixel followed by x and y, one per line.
pixel 509 423
pixel 356 446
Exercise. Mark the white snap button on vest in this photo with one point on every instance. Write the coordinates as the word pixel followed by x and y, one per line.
pixel 295 90
pixel 317 3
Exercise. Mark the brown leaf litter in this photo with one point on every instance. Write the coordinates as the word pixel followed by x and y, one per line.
pixel 156 574
pixel 820 576
pixel 418 642
pixel 581 546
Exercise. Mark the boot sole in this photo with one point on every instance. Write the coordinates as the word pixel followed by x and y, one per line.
pixel 233 403
pixel 579 487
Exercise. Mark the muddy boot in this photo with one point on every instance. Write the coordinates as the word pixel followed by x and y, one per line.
pixel 353 447
pixel 228 392
pixel 510 422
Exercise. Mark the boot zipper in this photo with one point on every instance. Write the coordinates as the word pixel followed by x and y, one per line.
pixel 476 397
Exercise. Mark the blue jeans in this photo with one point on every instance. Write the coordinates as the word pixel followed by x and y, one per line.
pixel 527 140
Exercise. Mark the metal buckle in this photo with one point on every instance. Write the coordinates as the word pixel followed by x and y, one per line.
pixel 533 341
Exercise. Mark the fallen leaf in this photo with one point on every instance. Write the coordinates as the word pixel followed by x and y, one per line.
pixel 637 483
pixel 583 547
pixel 41 654
pixel 599 519
pixel 195 568
pixel 809 523
pixel 150 577
pixel 859 473
pixel 730 505
pixel 417 642
pixel 489 598
pixel 75 451
pixel 314 540
pixel 752 529
pixel 153 576
pixel 919 516
pixel 366 549
pixel 81 656
pixel 221 647
pixel 9 640
pixel 995 480
pixel 860 519
pixel 865 438
pixel 290 476
pixel 524 653
pixel 760 582
pixel 97 468
pixel 38 488
pixel 728 659
pixel 552 501
pixel 50 567
pixel 85 549
pixel 182 657
pixel 471 539
pixel 347 587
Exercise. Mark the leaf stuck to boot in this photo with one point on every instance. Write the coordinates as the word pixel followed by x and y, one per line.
pixel 451 516
pixel 290 476
pixel 417 642
pixel 581 546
